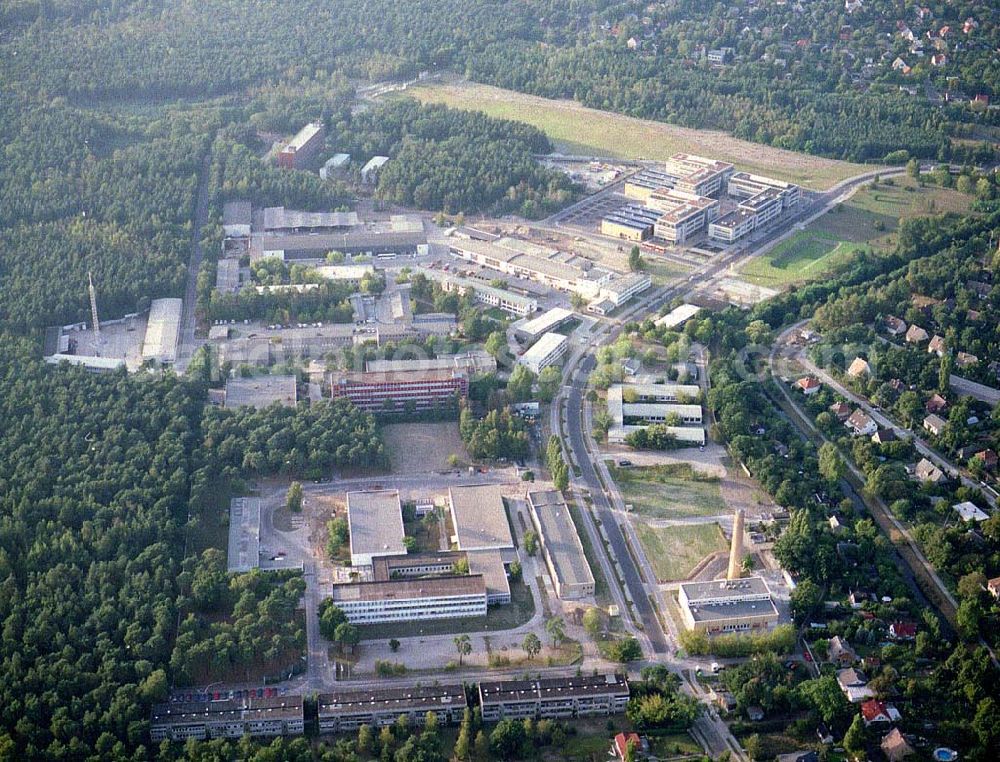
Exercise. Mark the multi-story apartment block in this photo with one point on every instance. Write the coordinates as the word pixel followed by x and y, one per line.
pixel 397 391
pixel 230 718
pixel 555 697
pixel 348 709
pixel 303 147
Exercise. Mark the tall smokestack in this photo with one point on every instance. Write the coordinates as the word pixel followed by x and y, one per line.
pixel 93 306
pixel 736 550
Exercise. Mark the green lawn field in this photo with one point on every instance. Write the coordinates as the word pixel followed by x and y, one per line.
pixel 674 551
pixel 576 129
pixel 669 492
pixel 869 219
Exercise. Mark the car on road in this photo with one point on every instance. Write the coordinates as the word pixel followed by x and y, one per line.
pixel 807 656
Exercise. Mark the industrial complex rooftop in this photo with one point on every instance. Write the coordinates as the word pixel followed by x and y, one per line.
pixel 480 518
pixel 475 362
pixel 162 330
pixel 375 523
pixel 244 534
pixel 261 391
pixel 279 218
pixel 560 540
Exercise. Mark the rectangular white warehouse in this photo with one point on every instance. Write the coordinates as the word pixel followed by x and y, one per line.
pixel 546 351
pixel 375 523
pixel 561 546
pixel 162 330
pixel 480 518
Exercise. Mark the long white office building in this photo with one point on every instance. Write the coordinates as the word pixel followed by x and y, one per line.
pixel 746 185
pixel 515 304
pixel 547 351
pixel 548 321
pixel 655 404
pixel 402 600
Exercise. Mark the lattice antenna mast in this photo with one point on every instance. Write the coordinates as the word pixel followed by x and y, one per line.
pixel 93 306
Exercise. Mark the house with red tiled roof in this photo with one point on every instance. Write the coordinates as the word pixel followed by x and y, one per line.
pixel 916 335
pixel 903 630
pixel 808 385
pixel 895 746
pixel 894 326
pixel 622 743
pixel 840 409
pixel 937 346
pixel 936 404
pixel 873 711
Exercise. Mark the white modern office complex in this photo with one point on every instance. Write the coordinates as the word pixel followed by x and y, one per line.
pixel 548 321
pixel 510 302
pixel 402 600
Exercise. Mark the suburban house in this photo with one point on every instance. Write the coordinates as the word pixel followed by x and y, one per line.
pixel 916 335
pixel 894 326
pixel 993 586
pixel 622 742
pixel 854 685
pixel 926 471
pixel 840 652
pixel 903 630
pixel 965 360
pixel 937 346
pixel 861 423
pixel 859 367
pixel 935 424
pixel 873 711
pixel 808 385
pixel 987 457
pixel 884 435
pixel 840 409
pixel 936 404
pixel 970 511
pixel 895 747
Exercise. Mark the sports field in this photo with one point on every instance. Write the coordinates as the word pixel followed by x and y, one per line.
pixel 674 551
pixel 672 491
pixel 579 130
pixel 869 219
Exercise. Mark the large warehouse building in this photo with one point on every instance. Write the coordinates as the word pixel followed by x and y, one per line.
pixel 163 330
pixel 480 519
pixel 261 391
pixel 375 523
pixel 561 546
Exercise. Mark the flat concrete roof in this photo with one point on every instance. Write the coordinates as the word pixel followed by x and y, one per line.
pixel 489 564
pixel 420 697
pixel 726 590
pixel 246 710
pixel 541 349
pixel 560 538
pixel 474 362
pixel 375 522
pixel 244 534
pixel 480 517
pixel 162 330
pixel 278 217
pixel 407 588
pixel 261 391
pixel 504 691
pixel 546 321
pixel 236 213
pixel 710 612
pixel 677 316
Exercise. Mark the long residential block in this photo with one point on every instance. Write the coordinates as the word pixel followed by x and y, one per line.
pixel 554 697
pixel 349 708
pixel 233 718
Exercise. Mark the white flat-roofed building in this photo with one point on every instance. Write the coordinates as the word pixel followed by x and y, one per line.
pixel 655 404
pixel 370 171
pixel 347 709
pixel 524 259
pixel 547 321
pixel 968 511
pixel 677 317
pixel 261 391
pixel 766 205
pixel 334 164
pixel 480 518
pixel 554 697
pixel 623 287
pixel 375 523
pixel 683 214
pixel 279 219
pixel 230 718
pixel 733 226
pixel 746 185
pixel 236 219
pixel 474 362
pixel 548 350
pixel 561 546
pixel 352 274
pixel 411 599
pixel 697 174
pixel 508 301
pixel 162 330
pixel 244 534
pixel 727 606
pixel 631 222
pixel 227 276
pixel 490 566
